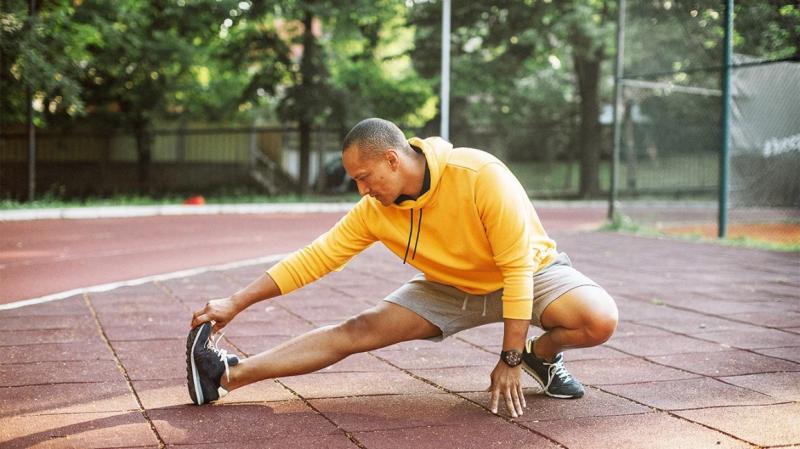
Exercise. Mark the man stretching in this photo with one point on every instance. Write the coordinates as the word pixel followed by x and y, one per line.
pixel 461 218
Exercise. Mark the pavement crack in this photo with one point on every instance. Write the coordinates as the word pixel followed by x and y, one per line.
pixel 123 370
pixel 308 404
pixel 679 417
pixel 507 419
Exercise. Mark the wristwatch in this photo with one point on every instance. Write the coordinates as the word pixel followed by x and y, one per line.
pixel 512 357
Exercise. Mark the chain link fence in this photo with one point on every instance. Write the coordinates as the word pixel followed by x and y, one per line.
pixel 671 126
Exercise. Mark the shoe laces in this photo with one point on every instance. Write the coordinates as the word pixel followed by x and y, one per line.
pixel 557 369
pixel 221 353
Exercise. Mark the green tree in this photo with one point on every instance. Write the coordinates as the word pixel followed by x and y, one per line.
pixel 142 64
pixel 42 53
pixel 520 65
pixel 339 54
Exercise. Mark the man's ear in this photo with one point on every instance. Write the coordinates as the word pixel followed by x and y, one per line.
pixel 392 159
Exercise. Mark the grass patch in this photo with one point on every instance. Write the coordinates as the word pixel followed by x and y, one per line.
pixel 624 224
pixel 675 173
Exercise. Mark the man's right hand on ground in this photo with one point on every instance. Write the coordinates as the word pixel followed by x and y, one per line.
pixel 221 311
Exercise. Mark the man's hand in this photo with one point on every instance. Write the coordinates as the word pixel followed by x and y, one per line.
pixel 220 311
pixel 506 383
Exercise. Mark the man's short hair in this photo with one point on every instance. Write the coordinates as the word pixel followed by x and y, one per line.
pixel 373 136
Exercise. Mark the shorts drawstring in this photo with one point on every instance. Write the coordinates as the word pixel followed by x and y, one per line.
pixel 466 300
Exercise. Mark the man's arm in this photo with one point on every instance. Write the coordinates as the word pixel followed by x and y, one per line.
pixel 222 310
pixel 506 214
pixel 328 252
pixel 515 333
pixel 506 379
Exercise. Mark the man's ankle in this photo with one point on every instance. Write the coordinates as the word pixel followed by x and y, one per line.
pixel 546 357
pixel 228 381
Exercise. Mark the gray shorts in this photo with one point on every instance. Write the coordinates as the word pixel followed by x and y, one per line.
pixel 453 310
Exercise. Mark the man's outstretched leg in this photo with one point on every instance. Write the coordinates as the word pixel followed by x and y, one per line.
pixel 583 317
pixel 382 325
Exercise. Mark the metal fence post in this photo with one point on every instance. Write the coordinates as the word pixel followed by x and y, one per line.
pixel 31 126
pixel 618 86
pixel 726 125
pixel 445 88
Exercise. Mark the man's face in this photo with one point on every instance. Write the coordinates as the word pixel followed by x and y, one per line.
pixel 378 178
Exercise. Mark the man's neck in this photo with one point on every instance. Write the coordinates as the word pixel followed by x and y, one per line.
pixel 419 172
pixel 421 168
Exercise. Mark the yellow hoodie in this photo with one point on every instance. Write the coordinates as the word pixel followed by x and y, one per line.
pixel 479 233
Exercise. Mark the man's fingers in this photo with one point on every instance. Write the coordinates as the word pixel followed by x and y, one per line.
pixel 201 311
pixel 200 320
pixel 522 397
pixel 199 316
pixel 510 404
pixel 516 401
pixel 495 400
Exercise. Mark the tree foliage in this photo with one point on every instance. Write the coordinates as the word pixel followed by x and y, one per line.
pixel 521 69
pixel 528 80
pixel 42 53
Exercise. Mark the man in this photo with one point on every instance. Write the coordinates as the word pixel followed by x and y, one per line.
pixel 482 253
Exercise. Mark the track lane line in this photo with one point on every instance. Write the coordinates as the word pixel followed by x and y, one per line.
pixel 142 280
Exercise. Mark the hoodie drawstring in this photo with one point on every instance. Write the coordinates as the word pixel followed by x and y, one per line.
pixel 410 233
pixel 419 227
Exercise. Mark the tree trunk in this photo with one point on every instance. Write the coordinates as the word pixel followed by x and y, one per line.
pixel 587 69
pixel 143 155
pixel 307 80
pixel 305 155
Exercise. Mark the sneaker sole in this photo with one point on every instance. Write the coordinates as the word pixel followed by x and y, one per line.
pixel 535 376
pixel 193 378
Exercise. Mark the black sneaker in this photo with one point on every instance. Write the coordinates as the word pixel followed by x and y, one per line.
pixel 554 378
pixel 205 364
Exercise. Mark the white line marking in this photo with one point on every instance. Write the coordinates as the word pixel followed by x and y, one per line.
pixel 140 281
pixel 169 210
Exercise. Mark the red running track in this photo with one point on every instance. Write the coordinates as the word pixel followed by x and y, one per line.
pixel 42 257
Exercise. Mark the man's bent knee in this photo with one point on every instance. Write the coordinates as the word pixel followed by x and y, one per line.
pixel 602 321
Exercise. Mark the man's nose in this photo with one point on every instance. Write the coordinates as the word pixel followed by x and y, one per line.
pixel 362 189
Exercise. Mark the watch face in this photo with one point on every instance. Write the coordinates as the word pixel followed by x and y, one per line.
pixel 512 357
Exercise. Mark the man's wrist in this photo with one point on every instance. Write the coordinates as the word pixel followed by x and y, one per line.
pixel 239 301
pixel 511 357
pixel 515 333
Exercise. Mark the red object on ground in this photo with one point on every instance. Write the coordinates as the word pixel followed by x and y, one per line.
pixel 196 200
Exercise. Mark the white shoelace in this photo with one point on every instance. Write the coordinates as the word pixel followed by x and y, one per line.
pixel 222 353
pixel 558 369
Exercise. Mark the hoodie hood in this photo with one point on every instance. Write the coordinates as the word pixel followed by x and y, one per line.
pixel 436 151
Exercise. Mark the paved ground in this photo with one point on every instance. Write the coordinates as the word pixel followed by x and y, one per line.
pixel 81 253
pixel 43 257
pixel 707 355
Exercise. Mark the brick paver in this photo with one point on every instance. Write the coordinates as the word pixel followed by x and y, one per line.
pixel 706 355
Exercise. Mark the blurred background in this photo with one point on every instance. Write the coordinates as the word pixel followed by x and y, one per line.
pixel 250 100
